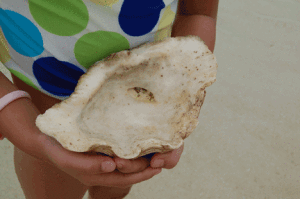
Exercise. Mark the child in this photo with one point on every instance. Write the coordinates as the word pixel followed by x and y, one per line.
pixel 51 44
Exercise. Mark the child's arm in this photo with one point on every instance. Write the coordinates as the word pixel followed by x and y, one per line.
pixel 193 17
pixel 17 124
pixel 197 17
pixel 17 119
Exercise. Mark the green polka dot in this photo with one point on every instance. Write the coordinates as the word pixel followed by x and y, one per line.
pixel 4 50
pixel 23 78
pixel 95 46
pixel 60 17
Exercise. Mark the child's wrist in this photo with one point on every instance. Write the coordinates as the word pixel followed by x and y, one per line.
pixel 199 25
pixel 17 123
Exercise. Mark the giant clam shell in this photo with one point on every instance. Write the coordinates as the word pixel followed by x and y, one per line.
pixel 137 101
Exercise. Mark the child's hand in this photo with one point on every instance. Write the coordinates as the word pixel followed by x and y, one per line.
pixel 170 160
pixel 87 168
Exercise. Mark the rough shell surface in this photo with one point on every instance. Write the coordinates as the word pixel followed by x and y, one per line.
pixel 137 101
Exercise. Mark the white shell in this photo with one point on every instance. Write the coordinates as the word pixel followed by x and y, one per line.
pixel 105 115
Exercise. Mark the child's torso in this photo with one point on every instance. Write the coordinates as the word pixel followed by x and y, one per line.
pixel 49 44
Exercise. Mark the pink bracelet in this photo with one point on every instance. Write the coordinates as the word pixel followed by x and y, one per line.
pixel 10 97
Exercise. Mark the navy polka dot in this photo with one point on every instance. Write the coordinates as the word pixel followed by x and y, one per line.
pixel 57 77
pixel 138 17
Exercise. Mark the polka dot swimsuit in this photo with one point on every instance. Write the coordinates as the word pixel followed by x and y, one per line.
pixel 49 44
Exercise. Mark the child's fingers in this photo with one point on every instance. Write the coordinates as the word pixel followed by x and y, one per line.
pixel 169 160
pixel 121 180
pixel 131 165
pixel 77 163
pixel 87 168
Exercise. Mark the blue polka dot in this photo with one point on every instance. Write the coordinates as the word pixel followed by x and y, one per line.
pixel 57 77
pixel 138 17
pixel 23 36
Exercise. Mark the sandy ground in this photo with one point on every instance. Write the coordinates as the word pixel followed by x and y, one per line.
pixel 247 144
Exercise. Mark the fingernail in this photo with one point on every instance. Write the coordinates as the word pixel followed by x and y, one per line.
pixel 158 163
pixel 106 166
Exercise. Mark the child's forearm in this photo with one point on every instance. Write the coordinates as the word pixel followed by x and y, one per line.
pixel 199 25
pixel 17 119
